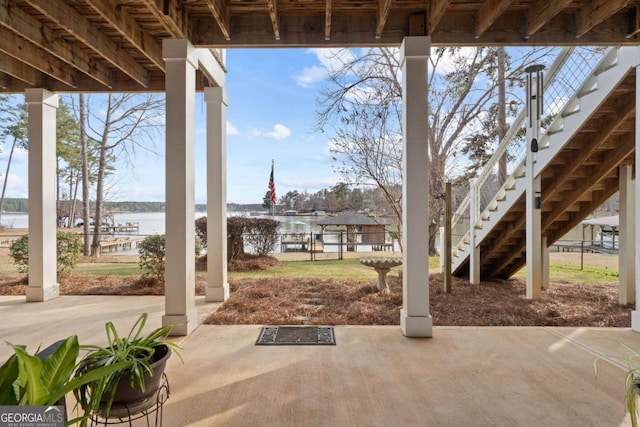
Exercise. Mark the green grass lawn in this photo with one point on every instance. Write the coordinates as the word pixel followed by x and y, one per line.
pixel 325 269
pixel 572 274
pixel 332 269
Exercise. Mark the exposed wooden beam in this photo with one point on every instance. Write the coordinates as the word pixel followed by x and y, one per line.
pixel 272 5
pixel 219 11
pixel 121 83
pixel 384 7
pixel 77 25
pixel 438 8
pixel 127 27
pixel 5 80
pixel 513 252
pixel 19 70
pixel 488 13
pixel 541 13
pixel 595 12
pixel 508 233
pixel 170 14
pixel 17 20
pixel 574 220
pixel 327 19
pixel 626 107
pixel 350 30
pixel 626 145
pixel 635 25
pixel 22 50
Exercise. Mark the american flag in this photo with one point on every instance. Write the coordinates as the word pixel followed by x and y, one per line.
pixel 272 187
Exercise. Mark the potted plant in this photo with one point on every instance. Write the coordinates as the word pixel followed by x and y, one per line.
pixel 45 378
pixel 138 383
pixel 631 382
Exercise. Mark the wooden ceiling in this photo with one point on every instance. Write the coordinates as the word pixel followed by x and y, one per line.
pixel 116 45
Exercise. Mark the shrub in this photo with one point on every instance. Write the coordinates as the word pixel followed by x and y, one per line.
pixel 68 250
pixel 201 230
pixel 263 235
pixel 236 227
pixel 152 253
pixel 260 233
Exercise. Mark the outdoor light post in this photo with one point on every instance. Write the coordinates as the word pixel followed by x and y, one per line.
pixel 533 193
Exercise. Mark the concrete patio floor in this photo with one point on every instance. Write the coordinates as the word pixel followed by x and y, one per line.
pixel 485 376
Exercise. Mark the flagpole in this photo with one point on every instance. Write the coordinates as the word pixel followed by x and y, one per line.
pixel 272 189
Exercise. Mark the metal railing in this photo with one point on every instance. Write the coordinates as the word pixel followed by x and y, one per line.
pixel 331 244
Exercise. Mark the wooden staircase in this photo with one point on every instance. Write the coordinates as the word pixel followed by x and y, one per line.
pixel 578 164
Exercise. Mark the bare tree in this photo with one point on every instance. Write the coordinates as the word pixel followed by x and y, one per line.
pixel 362 103
pixel 67 158
pixel 84 154
pixel 13 126
pixel 127 123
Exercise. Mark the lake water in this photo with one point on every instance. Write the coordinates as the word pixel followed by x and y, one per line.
pixel 154 222
pixel 151 223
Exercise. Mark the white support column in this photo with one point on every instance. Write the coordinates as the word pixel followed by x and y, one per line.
pixel 474 213
pixel 181 64
pixel 627 252
pixel 415 319
pixel 43 282
pixel 533 191
pixel 217 286
pixel 545 263
pixel 635 315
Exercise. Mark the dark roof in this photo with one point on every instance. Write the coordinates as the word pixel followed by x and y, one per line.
pixel 349 218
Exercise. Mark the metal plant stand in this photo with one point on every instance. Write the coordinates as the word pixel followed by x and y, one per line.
pixel 149 409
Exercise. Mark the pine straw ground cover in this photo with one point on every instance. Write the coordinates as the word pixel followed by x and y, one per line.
pixel 287 301
pixel 335 302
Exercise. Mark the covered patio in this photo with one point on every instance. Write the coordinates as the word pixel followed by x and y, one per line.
pixel 139 46
pixel 373 376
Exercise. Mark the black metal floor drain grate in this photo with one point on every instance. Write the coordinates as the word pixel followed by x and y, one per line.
pixel 296 335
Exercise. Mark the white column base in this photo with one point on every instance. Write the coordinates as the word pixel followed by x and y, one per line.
pixel 43 293
pixel 185 324
pixel 416 326
pixel 635 320
pixel 217 294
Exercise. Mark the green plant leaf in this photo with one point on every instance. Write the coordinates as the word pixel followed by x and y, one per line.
pixel 58 367
pixel 8 375
pixel 29 377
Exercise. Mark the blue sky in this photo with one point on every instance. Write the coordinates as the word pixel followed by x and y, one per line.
pixel 272 101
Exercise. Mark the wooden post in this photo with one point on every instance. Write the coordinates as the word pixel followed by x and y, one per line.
pixel 447 237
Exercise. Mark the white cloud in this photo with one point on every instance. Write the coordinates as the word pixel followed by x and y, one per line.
pixel 231 129
pixel 446 63
pixel 279 132
pixel 332 59
pixel 16 186
pixel 311 76
pixel 20 156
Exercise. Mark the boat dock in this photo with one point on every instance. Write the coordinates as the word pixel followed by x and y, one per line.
pixel 118 243
pixel 300 243
pixel 129 227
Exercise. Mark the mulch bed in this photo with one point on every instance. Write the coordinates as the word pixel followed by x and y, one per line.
pixel 288 301
pixel 296 301
pixel 98 285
